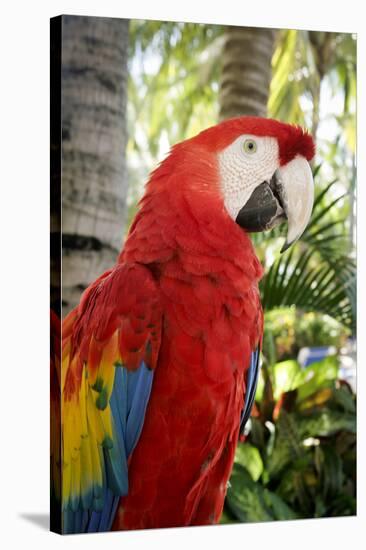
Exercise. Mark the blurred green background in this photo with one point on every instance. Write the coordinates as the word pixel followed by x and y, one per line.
pixel 175 79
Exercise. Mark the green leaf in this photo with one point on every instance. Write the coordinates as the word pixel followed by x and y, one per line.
pixel 326 423
pixel 288 444
pixel 249 501
pixel 331 472
pixel 285 376
pixel 316 376
pixel 280 510
pixel 344 398
pixel 248 456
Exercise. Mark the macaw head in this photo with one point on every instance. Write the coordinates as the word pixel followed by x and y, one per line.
pixel 264 173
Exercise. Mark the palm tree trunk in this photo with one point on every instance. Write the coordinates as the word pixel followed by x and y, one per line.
pixel 323 46
pixel 94 136
pixel 246 71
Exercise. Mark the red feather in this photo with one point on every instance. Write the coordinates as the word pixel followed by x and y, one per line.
pixel 293 140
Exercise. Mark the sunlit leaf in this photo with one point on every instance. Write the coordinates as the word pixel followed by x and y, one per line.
pixel 249 457
pixel 285 376
pixel 315 377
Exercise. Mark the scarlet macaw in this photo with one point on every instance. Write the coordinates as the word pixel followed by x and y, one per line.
pixel 160 358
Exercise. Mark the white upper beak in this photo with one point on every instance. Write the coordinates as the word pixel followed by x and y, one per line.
pixel 297 191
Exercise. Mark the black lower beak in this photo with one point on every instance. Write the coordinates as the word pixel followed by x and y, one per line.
pixel 264 209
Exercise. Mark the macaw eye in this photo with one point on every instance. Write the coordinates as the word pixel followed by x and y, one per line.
pixel 249 146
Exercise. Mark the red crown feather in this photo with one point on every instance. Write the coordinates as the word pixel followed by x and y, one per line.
pixel 293 140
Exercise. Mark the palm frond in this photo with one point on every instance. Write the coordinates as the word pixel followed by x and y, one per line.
pixel 318 273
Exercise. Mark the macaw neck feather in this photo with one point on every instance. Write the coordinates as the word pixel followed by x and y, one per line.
pixel 182 221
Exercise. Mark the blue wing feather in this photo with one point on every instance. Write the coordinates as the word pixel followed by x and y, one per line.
pixel 251 386
pixel 138 396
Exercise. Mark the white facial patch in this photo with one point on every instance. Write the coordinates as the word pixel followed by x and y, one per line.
pixel 243 165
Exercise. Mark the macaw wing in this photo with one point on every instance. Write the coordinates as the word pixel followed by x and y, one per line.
pixel 250 388
pixel 55 419
pixel 110 348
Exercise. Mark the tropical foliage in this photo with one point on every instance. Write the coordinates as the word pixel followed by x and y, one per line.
pixel 298 460
pixel 318 274
pixel 289 329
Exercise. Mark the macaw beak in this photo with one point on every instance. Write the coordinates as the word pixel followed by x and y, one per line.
pixel 288 196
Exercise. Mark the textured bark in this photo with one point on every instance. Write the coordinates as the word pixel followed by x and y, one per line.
pixel 94 136
pixel 246 71
pixel 324 49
